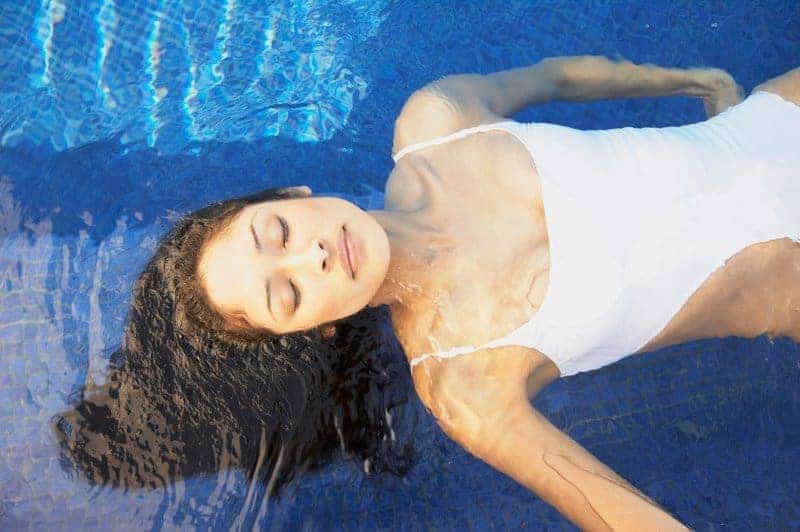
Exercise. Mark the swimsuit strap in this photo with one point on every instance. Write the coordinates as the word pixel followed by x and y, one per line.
pixel 511 338
pixel 454 352
pixel 522 335
pixel 460 134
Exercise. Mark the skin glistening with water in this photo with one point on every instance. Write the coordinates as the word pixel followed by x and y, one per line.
pixel 446 224
pixel 460 254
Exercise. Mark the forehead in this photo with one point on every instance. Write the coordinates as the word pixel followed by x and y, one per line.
pixel 310 204
pixel 225 275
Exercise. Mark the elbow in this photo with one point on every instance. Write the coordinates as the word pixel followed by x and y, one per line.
pixel 554 75
pixel 450 397
pixel 569 74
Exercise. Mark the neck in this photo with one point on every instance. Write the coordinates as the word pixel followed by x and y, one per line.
pixel 411 249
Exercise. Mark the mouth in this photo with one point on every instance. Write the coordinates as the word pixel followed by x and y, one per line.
pixel 347 253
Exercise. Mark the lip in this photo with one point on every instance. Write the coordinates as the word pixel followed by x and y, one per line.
pixel 347 253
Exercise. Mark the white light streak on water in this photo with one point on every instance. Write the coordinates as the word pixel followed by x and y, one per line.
pixel 262 63
pixel 264 70
pixel 190 95
pixel 253 485
pixel 107 21
pixel 220 52
pixel 205 74
pixel 190 98
pixel 210 74
pixel 96 369
pixel 51 12
pixel 11 133
pixel 157 93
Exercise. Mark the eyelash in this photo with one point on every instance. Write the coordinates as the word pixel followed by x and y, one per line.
pixel 296 295
pixel 285 227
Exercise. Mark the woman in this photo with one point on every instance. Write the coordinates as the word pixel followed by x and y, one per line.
pixel 510 254
pixel 185 396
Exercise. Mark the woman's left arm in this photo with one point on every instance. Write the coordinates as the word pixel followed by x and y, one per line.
pixel 585 78
pixel 465 100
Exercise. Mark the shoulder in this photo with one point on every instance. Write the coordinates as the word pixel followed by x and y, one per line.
pixel 787 86
pixel 438 109
pixel 469 390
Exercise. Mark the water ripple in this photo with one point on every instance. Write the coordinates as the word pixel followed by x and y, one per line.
pixel 169 73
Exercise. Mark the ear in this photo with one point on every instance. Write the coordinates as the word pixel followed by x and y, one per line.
pixel 328 330
pixel 303 190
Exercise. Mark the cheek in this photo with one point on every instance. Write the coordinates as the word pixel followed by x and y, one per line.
pixel 321 300
pixel 250 300
pixel 341 300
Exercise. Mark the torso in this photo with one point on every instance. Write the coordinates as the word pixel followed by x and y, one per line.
pixel 481 198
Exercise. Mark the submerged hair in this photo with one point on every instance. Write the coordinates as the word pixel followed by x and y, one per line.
pixel 186 395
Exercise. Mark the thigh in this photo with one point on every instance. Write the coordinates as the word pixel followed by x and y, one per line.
pixel 786 85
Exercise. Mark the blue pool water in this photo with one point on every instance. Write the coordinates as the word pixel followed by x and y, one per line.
pixel 117 116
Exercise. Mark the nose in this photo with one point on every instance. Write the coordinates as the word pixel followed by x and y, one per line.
pixel 315 257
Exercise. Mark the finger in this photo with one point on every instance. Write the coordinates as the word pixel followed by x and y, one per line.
pixel 303 190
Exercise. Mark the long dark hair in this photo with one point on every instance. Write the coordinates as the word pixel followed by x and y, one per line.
pixel 186 395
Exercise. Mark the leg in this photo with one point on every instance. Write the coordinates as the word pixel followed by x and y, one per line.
pixel 786 85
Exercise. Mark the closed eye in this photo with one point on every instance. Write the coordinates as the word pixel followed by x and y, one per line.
pixel 255 236
pixel 284 229
pixel 296 293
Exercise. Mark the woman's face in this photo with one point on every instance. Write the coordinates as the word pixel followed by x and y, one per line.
pixel 285 265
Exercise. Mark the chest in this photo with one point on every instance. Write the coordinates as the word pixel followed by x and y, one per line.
pixel 484 254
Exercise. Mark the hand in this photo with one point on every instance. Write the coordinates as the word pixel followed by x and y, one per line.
pixel 718 90
pixel 303 190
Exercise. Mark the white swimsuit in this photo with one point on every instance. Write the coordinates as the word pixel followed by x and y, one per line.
pixel 637 219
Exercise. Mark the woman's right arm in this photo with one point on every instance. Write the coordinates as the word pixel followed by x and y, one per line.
pixel 544 459
pixel 488 412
